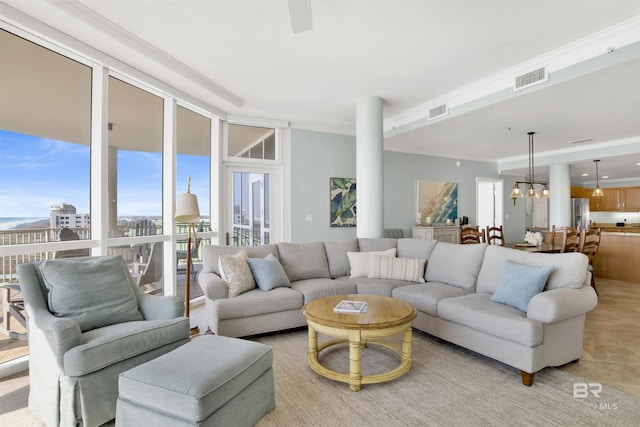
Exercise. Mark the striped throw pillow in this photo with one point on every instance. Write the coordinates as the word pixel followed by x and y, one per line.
pixel 409 269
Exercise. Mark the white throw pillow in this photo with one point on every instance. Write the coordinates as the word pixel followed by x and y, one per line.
pixel 236 273
pixel 409 269
pixel 359 261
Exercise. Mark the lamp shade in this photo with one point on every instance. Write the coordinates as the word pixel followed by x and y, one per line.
pixel 597 192
pixel 187 209
pixel 531 192
pixel 516 192
pixel 545 192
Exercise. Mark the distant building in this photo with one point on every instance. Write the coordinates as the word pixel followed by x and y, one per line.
pixel 64 216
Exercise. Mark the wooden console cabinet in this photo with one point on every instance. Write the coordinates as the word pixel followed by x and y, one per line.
pixel 444 233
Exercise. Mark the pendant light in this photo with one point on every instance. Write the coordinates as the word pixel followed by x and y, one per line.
pixel 598 191
pixel 531 192
pixel 531 183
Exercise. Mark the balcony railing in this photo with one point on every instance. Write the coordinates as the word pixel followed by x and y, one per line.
pixel 130 253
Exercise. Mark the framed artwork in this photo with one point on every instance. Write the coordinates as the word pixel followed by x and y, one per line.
pixel 342 193
pixel 438 201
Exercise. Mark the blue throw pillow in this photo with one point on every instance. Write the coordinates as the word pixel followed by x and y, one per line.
pixel 519 283
pixel 268 273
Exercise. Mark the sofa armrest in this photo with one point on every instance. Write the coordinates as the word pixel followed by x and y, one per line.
pixel 156 307
pixel 560 304
pixel 60 333
pixel 212 285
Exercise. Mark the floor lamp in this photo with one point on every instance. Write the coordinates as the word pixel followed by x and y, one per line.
pixel 187 211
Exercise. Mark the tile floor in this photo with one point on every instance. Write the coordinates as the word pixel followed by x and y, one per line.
pixel 611 353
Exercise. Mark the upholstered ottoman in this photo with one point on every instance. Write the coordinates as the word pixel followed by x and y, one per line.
pixel 212 380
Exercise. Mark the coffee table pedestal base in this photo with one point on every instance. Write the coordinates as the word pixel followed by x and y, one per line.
pixel 357 339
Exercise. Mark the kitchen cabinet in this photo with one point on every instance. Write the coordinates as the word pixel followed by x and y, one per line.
pixel 609 202
pixel 630 198
pixel 578 192
pixel 445 233
pixel 622 199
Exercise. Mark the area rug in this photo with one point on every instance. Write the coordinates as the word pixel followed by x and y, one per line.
pixel 447 386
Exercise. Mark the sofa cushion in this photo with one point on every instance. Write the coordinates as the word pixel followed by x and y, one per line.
pixel 115 343
pixel 236 273
pixel 570 268
pixel 456 265
pixel 382 287
pixel 379 244
pixel 425 297
pixel 384 267
pixel 313 289
pixel 519 283
pixel 211 254
pixel 256 302
pixel 268 273
pixel 304 260
pixel 415 248
pixel 478 312
pixel 337 256
pixel 95 291
pixel 360 261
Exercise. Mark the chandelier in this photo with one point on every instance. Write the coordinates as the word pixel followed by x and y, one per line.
pixel 516 192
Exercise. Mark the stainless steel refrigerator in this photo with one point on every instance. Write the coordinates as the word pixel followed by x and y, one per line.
pixel 580 213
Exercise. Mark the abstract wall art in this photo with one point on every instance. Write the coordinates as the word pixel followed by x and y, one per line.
pixel 342 202
pixel 437 200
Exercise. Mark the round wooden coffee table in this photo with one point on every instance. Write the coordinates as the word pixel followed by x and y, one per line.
pixel 384 317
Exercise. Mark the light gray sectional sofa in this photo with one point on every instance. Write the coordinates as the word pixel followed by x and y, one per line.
pixel 454 303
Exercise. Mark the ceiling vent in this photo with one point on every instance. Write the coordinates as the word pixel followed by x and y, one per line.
pixel 439 111
pixel 529 79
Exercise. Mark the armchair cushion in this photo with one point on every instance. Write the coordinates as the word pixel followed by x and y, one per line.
pixel 95 292
pixel 112 344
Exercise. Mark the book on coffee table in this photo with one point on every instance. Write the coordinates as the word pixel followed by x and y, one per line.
pixel 346 306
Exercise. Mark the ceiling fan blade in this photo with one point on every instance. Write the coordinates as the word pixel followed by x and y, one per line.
pixel 300 14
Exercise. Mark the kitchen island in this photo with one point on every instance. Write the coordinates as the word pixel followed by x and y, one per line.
pixel 619 254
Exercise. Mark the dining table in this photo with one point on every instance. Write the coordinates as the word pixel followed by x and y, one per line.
pixel 544 247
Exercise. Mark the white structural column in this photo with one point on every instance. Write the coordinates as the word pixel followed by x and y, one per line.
pixel 560 198
pixel 369 167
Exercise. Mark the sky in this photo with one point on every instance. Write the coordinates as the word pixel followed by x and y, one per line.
pixel 36 173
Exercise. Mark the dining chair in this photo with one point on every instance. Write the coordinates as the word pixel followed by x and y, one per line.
pixel 589 244
pixel 567 237
pixel 494 235
pixel 470 235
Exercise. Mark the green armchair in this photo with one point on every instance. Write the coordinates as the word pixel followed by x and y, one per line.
pixel 88 321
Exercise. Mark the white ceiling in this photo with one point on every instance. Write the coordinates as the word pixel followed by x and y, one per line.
pixel 242 58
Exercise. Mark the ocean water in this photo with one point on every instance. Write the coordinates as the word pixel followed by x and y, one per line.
pixel 9 223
